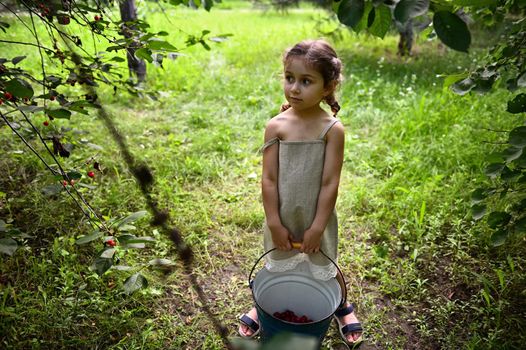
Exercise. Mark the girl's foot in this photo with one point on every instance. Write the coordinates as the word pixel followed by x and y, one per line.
pixel 348 324
pixel 249 326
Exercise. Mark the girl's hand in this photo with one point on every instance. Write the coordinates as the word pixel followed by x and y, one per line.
pixel 311 241
pixel 281 238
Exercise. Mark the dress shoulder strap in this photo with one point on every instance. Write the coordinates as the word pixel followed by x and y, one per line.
pixel 327 128
pixel 268 144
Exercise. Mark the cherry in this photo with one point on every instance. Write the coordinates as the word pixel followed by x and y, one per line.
pixel 91 174
pixel 8 96
pixel 97 18
pixel 46 123
pixel 111 243
pixel 52 98
pixel 65 183
pixel 71 182
pixel 290 316
pixel 64 20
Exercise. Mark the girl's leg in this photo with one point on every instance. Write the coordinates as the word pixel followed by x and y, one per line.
pixel 348 321
pixel 244 329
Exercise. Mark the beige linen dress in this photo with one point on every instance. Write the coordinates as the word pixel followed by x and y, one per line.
pixel 299 182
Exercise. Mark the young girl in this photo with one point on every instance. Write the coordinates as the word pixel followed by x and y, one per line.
pixel 302 161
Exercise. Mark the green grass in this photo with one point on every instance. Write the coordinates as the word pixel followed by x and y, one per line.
pixel 418 267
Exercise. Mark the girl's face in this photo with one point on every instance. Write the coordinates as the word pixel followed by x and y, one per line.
pixel 303 86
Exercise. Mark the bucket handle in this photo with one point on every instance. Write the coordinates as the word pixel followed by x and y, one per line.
pixel 297 245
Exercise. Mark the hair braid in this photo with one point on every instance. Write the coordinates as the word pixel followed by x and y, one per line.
pixel 331 101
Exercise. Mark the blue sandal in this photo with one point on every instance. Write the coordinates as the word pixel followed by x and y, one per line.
pixel 251 324
pixel 346 329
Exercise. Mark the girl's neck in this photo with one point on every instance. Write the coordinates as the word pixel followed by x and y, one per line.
pixel 311 113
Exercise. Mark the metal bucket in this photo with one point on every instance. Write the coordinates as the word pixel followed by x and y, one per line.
pixel 296 290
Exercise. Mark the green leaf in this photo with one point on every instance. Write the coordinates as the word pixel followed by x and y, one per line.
pixel 156 44
pixel 19 88
pixel 101 265
pixel 452 30
pixel 140 240
pixel 117 59
pixel 382 21
pixel 59 113
pixel 518 104
pixel 508 175
pixel 108 253
pixel 478 195
pixel 498 238
pixel 134 283
pixel 3 226
pixel 493 169
pixel 454 78
pixel 74 175
pixel 520 225
pixel 351 12
pixel 517 137
pixel 18 59
pixel 511 153
pixel 478 211
pixel 407 9
pixel 161 262
pixel 145 54
pixel 498 218
pixel 8 246
pixel 30 109
pixel 88 238
pixel 463 86
pixel 133 217
pixel 51 190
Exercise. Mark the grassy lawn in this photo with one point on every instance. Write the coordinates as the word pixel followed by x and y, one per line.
pixel 418 267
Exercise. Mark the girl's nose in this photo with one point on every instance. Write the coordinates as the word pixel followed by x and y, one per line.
pixel 295 87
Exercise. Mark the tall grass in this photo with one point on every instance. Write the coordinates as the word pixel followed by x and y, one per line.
pixel 418 267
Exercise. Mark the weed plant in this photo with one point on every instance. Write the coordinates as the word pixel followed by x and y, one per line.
pixel 418 267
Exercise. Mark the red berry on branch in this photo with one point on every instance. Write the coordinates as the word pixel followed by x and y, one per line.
pixel 8 96
pixel 72 182
pixel 91 174
pixel 52 98
pixel 46 123
pixel 97 18
pixel 65 183
pixel 64 20
pixel 111 243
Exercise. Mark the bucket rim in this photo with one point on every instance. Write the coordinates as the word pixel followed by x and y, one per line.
pixel 339 277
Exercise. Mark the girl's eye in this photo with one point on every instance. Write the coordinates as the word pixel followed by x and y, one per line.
pixel 306 81
pixel 288 78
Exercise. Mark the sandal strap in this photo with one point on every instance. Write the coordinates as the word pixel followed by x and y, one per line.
pixel 250 323
pixel 352 328
pixel 344 311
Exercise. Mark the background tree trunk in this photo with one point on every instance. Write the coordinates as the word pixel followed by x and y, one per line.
pixel 136 66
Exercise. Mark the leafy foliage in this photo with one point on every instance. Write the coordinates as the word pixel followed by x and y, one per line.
pixel 58 30
pixel 506 168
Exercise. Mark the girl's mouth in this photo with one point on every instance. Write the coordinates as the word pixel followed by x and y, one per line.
pixel 295 99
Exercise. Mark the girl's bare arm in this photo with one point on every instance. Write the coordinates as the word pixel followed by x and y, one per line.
pixel 329 188
pixel 269 190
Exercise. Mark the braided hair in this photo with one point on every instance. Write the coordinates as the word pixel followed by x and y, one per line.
pixel 319 55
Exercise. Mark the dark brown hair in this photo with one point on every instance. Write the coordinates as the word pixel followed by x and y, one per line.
pixel 319 55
